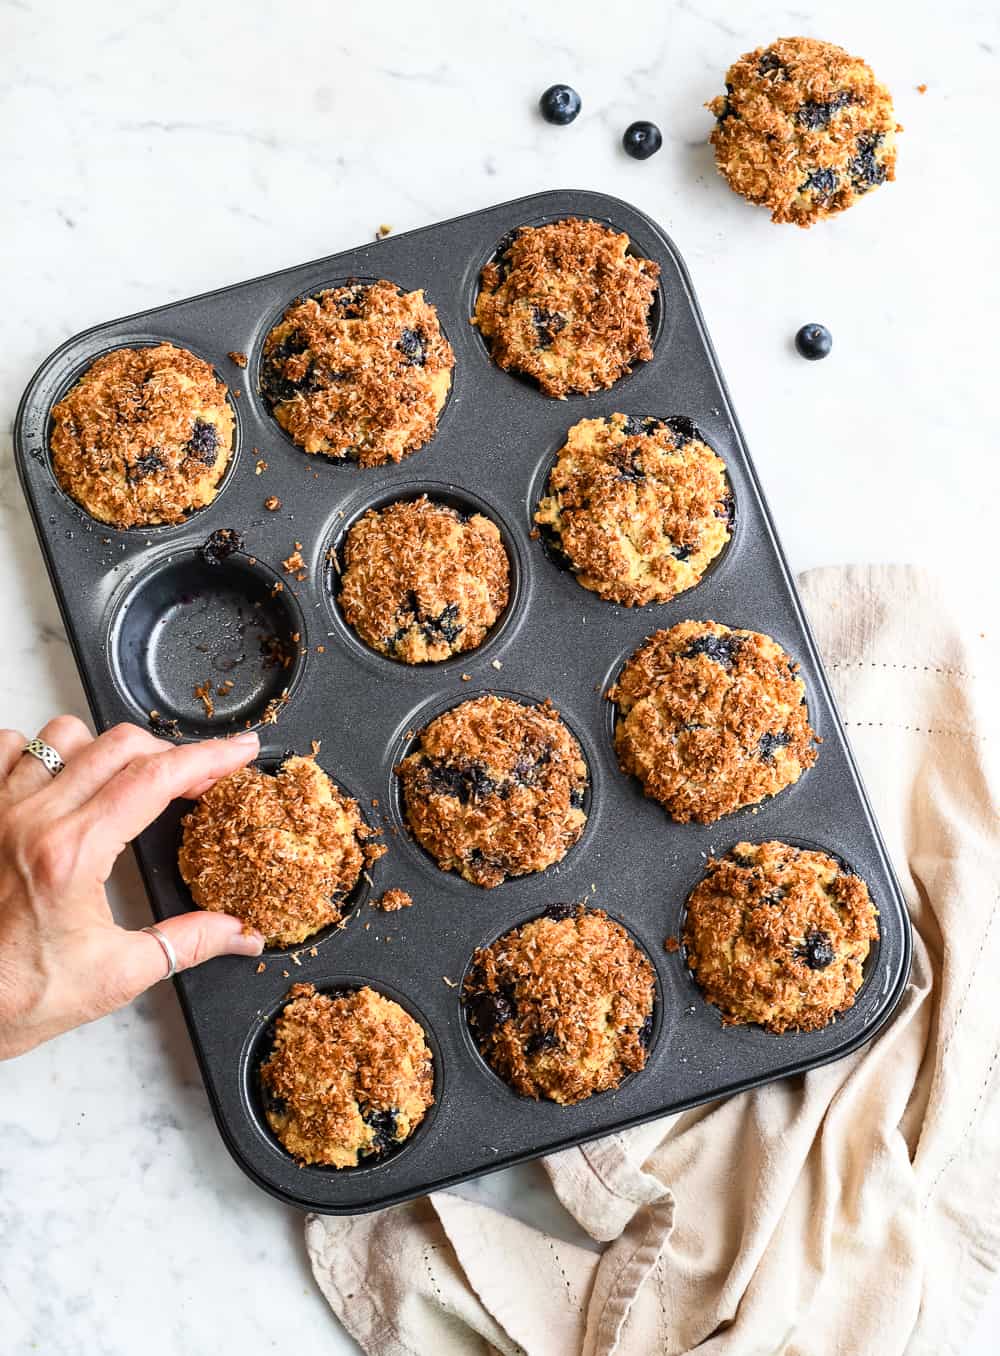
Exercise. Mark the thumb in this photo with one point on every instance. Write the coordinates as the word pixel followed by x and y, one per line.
pixel 195 937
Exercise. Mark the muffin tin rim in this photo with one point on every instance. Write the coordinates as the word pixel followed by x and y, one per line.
pixel 158 559
pixel 567 203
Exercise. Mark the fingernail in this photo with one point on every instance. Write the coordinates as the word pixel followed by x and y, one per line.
pixel 247 944
pixel 248 739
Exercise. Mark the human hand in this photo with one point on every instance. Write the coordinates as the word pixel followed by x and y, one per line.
pixel 63 959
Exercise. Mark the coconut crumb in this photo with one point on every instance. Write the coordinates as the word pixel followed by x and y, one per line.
pixel 392 900
pixel 203 692
pixel 272 503
pixel 240 359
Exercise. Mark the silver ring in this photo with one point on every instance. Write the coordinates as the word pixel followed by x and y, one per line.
pixel 166 946
pixel 46 755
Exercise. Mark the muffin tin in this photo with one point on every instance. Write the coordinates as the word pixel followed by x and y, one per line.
pixel 149 619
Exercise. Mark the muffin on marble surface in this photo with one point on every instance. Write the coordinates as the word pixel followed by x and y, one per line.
pixel 359 372
pixel 711 719
pixel 422 582
pixel 778 935
pixel 281 852
pixel 567 305
pixel 804 129
pixel 495 788
pixel 638 508
pixel 144 437
pixel 349 1076
pixel 562 1007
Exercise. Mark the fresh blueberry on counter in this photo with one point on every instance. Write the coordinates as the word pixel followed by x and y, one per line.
pixel 560 104
pixel 642 139
pixel 814 341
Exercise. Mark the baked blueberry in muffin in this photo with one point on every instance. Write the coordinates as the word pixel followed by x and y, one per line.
pixel 566 304
pixel 638 508
pixel 422 582
pixel 359 372
pixel 495 788
pixel 349 1077
pixel 778 935
pixel 562 1007
pixel 711 719
pixel 144 437
pixel 281 852
pixel 804 129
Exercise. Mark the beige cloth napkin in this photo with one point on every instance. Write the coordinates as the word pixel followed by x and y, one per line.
pixel 854 1210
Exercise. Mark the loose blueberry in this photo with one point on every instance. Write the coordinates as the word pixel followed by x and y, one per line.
pixel 560 104
pixel 642 139
pixel 814 342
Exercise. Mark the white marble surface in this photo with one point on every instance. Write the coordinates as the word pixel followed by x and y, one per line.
pixel 149 151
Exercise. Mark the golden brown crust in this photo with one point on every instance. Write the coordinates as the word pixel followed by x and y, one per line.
pixel 804 129
pixel 711 719
pixel 420 582
pixel 350 1075
pixel 359 372
pixel 638 507
pixel 144 437
pixel 568 306
pixel 562 1007
pixel 778 935
pixel 495 788
pixel 281 852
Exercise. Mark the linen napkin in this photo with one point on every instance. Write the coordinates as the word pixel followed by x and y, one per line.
pixel 853 1210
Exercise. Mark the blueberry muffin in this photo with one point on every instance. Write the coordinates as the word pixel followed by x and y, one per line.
pixel 349 1076
pixel 803 129
pixel 778 936
pixel 562 1007
pixel 567 305
pixel 422 582
pixel 711 719
pixel 638 508
pixel 495 788
pixel 359 372
pixel 281 852
pixel 144 437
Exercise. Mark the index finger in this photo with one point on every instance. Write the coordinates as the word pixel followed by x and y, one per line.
pixel 142 790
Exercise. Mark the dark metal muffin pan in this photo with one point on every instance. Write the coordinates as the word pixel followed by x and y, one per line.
pixel 148 620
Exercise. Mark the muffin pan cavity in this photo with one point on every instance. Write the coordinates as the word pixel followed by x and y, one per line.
pixel 205 646
pixel 656 319
pixel 257 1099
pixel 152 620
pixel 466 505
